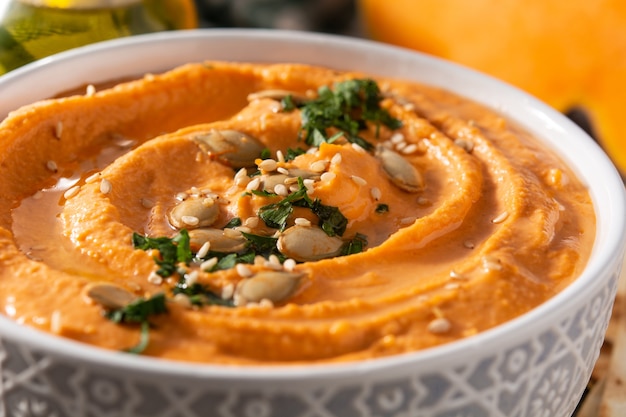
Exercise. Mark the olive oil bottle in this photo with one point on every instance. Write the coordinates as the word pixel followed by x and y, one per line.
pixel 33 29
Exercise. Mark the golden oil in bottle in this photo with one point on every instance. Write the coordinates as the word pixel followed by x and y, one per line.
pixel 33 29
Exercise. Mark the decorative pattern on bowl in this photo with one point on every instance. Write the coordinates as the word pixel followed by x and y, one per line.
pixel 540 377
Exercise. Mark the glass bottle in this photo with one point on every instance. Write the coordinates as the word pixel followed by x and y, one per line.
pixel 33 29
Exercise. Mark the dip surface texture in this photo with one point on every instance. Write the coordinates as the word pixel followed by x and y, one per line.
pixel 476 224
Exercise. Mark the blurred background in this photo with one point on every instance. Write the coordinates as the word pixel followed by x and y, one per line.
pixel 571 54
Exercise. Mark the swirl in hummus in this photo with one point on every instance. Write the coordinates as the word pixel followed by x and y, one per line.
pixel 453 221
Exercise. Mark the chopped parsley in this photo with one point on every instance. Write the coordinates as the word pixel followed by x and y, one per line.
pixel 172 250
pixel 291 153
pixel 382 208
pixel 199 294
pixel 347 108
pixel 234 222
pixel 275 215
pixel 356 245
pixel 139 312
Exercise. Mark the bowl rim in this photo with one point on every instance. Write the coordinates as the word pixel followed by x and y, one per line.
pixel 605 258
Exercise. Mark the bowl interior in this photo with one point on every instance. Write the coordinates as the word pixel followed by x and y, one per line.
pixel 158 52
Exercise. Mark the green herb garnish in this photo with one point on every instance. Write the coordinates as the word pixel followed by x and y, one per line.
pixel 234 222
pixel 382 208
pixel 348 107
pixel 138 312
pixel 172 250
pixel 199 294
pixel 355 245
pixel 291 153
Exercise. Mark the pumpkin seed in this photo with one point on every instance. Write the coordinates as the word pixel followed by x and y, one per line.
pixel 306 243
pixel 400 171
pixel 270 285
pixel 236 148
pixel 276 94
pixel 109 295
pixel 220 242
pixel 204 210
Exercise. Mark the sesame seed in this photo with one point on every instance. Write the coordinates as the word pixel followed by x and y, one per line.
pixel 241 177
pixel 204 249
pixel 360 181
pixel 273 263
pixel 328 176
pixel 71 192
pixel 290 180
pixel 254 184
pixel 409 107
pixel 251 222
pixel 227 291
pixel 190 220
pixel 181 196
pixel 268 165
pixel 58 130
pixel 280 157
pixel 401 145
pixel 55 322
pixel 312 151
pixel 52 166
pixel 500 218
pixel 289 264
pixel 358 148
pixel 318 166
pixel 336 159
pixel 266 303
pixel 243 229
pixel 92 178
pixel 423 201
pixel 91 90
pixel 244 271
pixel 281 189
pixel 396 138
pixel 105 186
pixel 294 187
pixel 308 183
pixel 491 263
pixel 301 221
pixel 283 170
pixel 469 244
pixel 155 278
pixel 409 149
pixel 238 300
pixel 439 325
pixel 259 260
pixel 181 300
pixel 191 278
pixel 208 264
pixel 147 203
pixel 122 141
pixel 407 220
pixel 376 193
pixel 456 275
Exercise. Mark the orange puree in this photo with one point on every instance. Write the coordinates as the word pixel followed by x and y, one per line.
pixel 493 224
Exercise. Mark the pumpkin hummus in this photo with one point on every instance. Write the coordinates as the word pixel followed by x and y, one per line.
pixel 423 219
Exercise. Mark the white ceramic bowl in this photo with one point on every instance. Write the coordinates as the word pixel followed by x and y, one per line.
pixel 534 366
